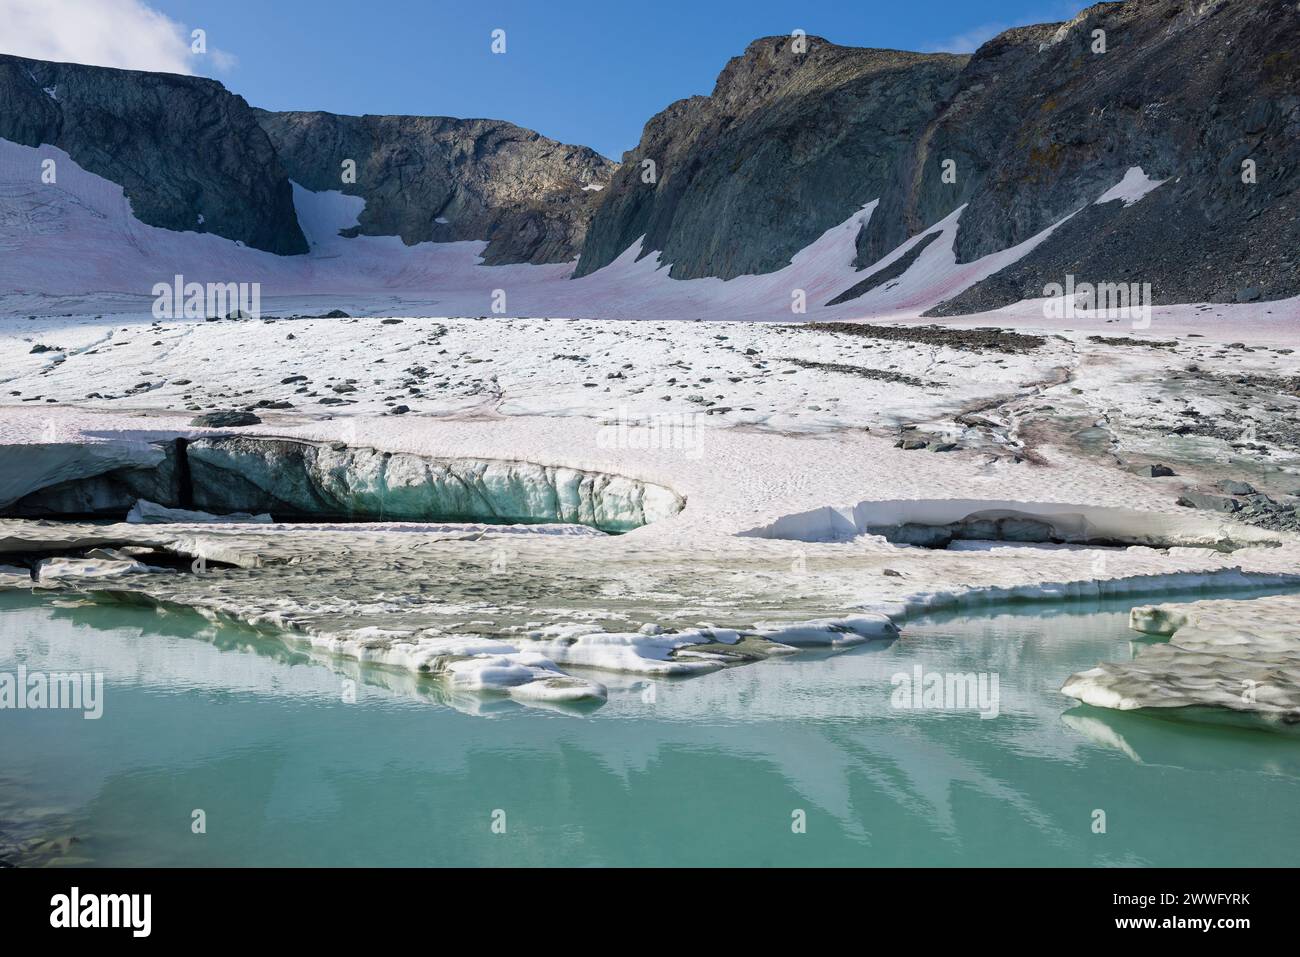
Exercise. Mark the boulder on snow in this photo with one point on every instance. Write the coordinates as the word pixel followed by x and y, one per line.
pixel 1150 471
pixel 1236 488
pixel 224 419
pixel 1206 500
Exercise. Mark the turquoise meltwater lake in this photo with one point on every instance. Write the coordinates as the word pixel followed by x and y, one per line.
pixel 297 759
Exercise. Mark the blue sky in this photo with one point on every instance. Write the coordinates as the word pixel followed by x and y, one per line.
pixel 589 73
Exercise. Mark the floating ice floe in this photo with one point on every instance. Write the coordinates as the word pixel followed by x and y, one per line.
pixel 103 565
pixel 521 675
pixel 13 576
pixel 471 663
pixel 1225 662
pixel 665 653
pixel 832 632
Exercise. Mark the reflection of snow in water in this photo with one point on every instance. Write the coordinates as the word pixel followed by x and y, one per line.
pixel 902 787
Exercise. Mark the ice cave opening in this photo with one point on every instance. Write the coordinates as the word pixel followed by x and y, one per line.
pixel 258 478
pixel 965 523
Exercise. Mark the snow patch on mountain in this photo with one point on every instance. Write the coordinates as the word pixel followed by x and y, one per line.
pixel 78 236
pixel 1131 188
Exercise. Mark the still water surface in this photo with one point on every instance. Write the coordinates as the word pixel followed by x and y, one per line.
pixel 709 770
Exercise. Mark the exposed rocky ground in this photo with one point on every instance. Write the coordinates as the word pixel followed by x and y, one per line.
pixel 980 338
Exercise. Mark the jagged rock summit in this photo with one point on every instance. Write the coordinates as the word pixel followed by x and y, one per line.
pixel 1183 115
pixel 1034 127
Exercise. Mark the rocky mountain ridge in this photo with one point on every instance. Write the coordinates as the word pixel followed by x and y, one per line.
pixel 189 154
pixel 797 136
pixel 788 145
pixel 192 156
pixel 438 179
pixel 1029 130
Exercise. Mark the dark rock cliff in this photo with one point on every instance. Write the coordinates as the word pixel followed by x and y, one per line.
pixel 1037 124
pixel 435 178
pixel 1185 90
pixel 788 145
pixel 189 154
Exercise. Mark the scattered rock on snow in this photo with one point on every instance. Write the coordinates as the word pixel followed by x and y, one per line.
pixel 224 419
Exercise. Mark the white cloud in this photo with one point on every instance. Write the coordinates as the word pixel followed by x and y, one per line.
pixel 223 61
pixel 967 42
pixel 119 33
pixel 971 40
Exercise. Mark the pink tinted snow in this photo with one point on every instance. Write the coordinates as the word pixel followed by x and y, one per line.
pixel 78 237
